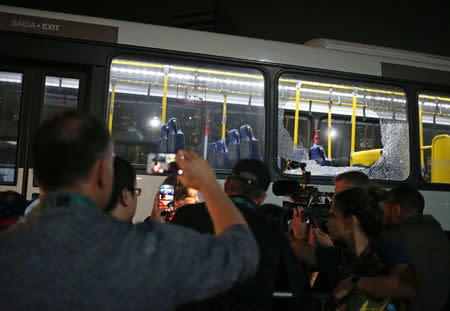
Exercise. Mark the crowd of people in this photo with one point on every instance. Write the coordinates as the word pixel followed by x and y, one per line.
pixel 77 247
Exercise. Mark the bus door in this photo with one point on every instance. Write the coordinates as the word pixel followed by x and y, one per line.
pixel 29 93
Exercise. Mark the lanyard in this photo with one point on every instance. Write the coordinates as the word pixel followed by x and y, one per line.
pixel 67 199
pixel 243 202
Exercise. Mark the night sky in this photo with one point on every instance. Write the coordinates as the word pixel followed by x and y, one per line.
pixel 405 26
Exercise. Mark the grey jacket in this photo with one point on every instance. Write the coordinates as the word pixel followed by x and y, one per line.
pixel 429 252
pixel 72 258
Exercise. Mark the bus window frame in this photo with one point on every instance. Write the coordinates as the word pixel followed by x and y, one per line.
pixel 192 59
pixel 352 78
pixel 428 185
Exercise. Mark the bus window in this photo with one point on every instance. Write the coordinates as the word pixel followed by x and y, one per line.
pixel 60 94
pixel 356 126
pixel 10 98
pixel 367 137
pixel 156 106
pixel 434 135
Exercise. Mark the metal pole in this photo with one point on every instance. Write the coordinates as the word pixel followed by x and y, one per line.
pixel 329 123
pixel 164 101
pixel 355 91
pixel 224 115
pixel 297 101
pixel 111 105
pixel 422 162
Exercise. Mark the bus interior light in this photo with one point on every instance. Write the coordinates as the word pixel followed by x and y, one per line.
pixel 154 122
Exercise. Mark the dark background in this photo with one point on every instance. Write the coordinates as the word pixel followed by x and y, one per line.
pixel 423 26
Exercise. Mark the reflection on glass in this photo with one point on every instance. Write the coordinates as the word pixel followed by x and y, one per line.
pixel 355 126
pixel 162 107
pixel 10 99
pixel 60 94
pixel 434 135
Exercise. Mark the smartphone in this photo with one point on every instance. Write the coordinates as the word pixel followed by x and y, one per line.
pixel 166 196
pixel 160 163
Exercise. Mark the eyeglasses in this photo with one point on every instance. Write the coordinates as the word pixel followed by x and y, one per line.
pixel 137 191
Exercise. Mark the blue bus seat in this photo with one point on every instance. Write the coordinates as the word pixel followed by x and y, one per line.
pixel 162 142
pixel 317 153
pixel 249 147
pixel 175 137
pixel 222 155
pixel 233 147
pixel 211 155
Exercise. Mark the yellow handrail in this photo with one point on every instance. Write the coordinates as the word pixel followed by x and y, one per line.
pixel 329 132
pixel 297 100
pixel 353 123
pixel 260 77
pixel 421 135
pixel 224 115
pixel 111 105
pixel 164 99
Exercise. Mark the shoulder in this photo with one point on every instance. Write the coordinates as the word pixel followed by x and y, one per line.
pixel 190 210
pixel 391 251
pixel 194 216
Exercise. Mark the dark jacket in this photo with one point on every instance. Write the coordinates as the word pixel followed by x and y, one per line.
pixel 429 253
pixel 276 255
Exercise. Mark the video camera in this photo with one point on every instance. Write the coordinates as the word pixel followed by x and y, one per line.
pixel 316 204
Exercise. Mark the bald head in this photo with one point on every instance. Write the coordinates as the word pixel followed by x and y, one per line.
pixel 349 180
pixel 66 148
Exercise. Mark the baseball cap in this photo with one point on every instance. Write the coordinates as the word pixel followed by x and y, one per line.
pixel 252 172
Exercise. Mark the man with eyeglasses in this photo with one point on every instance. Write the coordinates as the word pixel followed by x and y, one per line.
pixel 123 203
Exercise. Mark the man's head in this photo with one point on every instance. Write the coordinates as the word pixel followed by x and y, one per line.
pixel 72 151
pixel 402 202
pixel 123 202
pixel 249 178
pixel 349 180
pixel 182 195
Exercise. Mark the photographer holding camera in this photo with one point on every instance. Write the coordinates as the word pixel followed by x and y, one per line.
pixel 368 267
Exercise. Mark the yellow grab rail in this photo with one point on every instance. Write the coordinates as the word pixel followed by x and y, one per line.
pixel 421 135
pixel 353 122
pixel 111 105
pixel 164 99
pixel 260 77
pixel 297 101
pixel 329 132
pixel 224 115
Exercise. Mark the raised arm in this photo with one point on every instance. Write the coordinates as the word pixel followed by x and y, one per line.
pixel 198 174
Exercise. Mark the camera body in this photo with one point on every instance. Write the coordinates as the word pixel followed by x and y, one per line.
pixel 315 204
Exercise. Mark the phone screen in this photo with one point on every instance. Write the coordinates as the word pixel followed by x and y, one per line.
pixel 166 196
pixel 160 163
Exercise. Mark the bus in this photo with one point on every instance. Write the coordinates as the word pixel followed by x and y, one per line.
pixel 335 106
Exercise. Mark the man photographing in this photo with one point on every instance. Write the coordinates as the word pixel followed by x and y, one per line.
pixel 70 255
